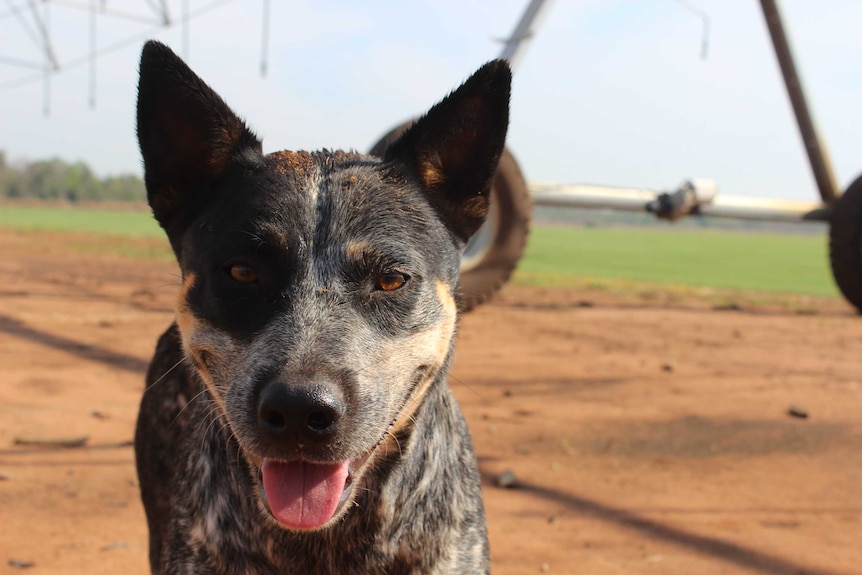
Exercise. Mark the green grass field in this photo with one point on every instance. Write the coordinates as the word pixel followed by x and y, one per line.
pixel 718 259
pixel 562 255
pixel 121 223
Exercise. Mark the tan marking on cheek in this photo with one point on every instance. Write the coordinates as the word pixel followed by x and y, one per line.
pixel 447 300
pixel 438 340
pixel 186 320
pixel 190 329
pixel 447 326
pixel 410 407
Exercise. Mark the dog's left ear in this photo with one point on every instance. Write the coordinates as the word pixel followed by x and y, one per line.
pixel 453 150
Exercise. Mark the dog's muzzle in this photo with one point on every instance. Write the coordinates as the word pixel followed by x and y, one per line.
pixel 295 420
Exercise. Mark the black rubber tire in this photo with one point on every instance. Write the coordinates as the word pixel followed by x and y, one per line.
pixel 494 251
pixel 845 243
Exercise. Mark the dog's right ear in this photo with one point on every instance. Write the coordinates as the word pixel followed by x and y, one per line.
pixel 453 150
pixel 188 135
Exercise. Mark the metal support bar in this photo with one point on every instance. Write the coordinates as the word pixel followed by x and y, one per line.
pixel 161 8
pixel 16 11
pixel 42 26
pixel 103 10
pixel 21 63
pixel 513 50
pixel 818 156
pixel 704 18
pixel 640 200
pixel 166 16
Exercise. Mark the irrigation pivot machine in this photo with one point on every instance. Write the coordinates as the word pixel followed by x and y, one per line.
pixel 493 253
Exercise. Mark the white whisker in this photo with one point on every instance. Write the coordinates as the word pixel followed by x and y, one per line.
pixel 165 374
pixel 188 403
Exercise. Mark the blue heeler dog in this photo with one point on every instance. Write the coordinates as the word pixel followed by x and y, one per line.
pixel 297 417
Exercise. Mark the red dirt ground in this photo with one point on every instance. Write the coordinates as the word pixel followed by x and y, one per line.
pixel 645 437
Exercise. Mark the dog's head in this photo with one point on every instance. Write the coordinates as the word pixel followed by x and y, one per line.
pixel 317 298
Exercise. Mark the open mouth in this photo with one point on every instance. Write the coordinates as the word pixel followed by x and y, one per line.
pixel 307 495
pixel 303 495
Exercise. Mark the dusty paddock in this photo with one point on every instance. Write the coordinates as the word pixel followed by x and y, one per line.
pixel 645 437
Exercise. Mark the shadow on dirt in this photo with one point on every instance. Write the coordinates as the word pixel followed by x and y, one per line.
pixel 726 551
pixel 696 437
pixel 115 359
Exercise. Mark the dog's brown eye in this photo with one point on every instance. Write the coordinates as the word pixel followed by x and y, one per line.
pixel 391 281
pixel 243 274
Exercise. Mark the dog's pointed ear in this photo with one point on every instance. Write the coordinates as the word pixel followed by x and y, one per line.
pixel 188 135
pixel 454 149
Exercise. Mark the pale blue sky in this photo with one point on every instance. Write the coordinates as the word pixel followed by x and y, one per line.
pixel 610 91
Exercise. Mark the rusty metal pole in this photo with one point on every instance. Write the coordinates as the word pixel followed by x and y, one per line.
pixel 818 156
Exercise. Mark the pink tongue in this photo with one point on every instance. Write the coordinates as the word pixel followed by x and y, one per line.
pixel 303 495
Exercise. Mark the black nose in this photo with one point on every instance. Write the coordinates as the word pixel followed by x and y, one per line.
pixel 302 414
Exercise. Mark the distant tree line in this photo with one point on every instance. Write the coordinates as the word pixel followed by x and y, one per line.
pixel 57 179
